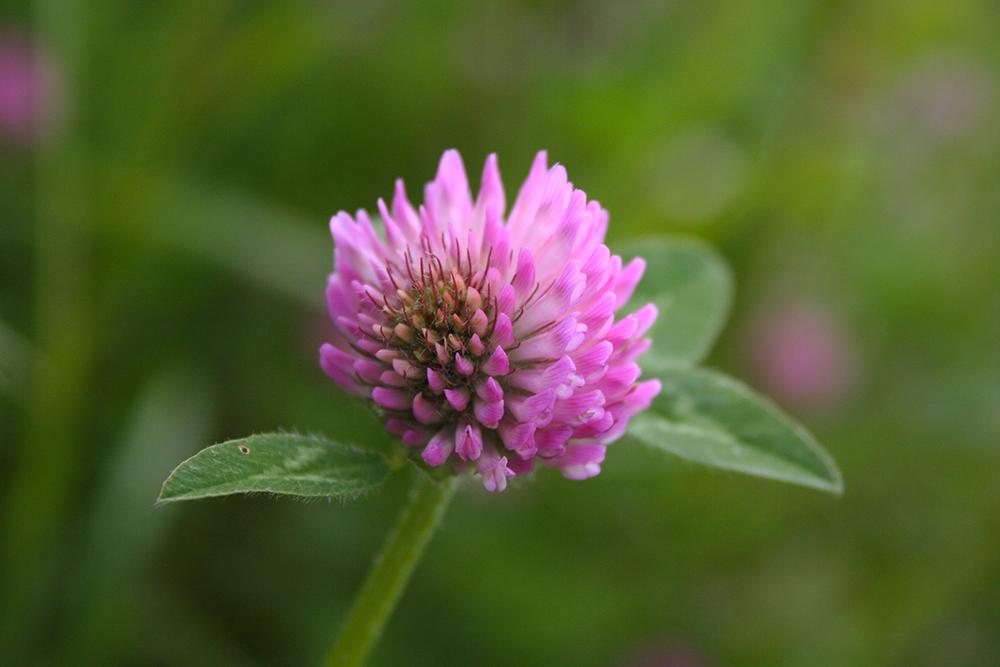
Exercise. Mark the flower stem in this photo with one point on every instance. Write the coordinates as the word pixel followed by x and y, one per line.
pixel 387 579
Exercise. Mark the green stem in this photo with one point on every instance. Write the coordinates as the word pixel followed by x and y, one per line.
pixel 38 497
pixel 387 579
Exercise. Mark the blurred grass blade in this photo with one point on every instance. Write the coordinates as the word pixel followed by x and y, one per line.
pixel 16 358
pixel 124 530
pixel 692 287
pixel 264 244
pixel 709 418
pixel 278 463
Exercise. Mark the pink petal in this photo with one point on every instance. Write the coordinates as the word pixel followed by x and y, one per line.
pixel 490 390
pixel 393 379
pixel 424 411
pixel 476 345
pixel 336 364
pixel 414 437
pixel 537 408
pixel 391 399
pixel 491 194
pixel 463 365
pixel 580 461
pixel 580 408
pixel 457 398
pixel 479 322
pixel 551 440
pixel 506 299
pixel 439 448
pixel 524 276
pixel 628 279
pixel 435 381
pixel 494 471
pixel 503 330
pixel 519 438
pixel 489 413
pixel 497 364
pixel 468 441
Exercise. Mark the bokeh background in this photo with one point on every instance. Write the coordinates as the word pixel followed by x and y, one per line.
pixel 167 170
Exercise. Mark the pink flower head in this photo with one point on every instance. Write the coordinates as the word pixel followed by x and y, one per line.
pixel 801 355
pixel 487 338
pixel 28 89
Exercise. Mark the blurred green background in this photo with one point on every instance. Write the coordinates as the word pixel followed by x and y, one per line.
pixel 164 197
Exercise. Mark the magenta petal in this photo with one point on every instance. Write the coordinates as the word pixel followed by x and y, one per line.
pixel 579 408
pixel 479 322
pixel 497 364
pixel 494 471
pixel 533 408
pixel 414 437
pixel 491 194
pixel 406 369
pixel 393 379
pixel 489 391
pixel 642 395
pixel 368 369
pixel 503 330
pixel 524 278
pixel 424 411
pixel 440 447
pixel 559 376
pixel 463 365
pixel 506 299
pixel 519 438
pixel 457 398
pixel 580 461
pixel 593 363
pixel 520 466
pixel 476 345
pixel 551 440
pixel 628 279
pixel 442 353
pixel 334 366
pixel 489 413
pixel 435 381
pixel 391 399
pixel 468 441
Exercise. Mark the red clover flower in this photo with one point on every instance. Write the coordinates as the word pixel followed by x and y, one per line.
pixel 489 340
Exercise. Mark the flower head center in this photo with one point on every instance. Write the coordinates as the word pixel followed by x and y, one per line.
pixel 437 329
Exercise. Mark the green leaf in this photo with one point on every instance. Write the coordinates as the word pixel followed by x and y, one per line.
pixel 706 417
pixel 692 287
pixel 279 463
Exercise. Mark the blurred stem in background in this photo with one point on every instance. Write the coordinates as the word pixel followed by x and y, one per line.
pixel 42 484
pixel 388 577
pixel 16 364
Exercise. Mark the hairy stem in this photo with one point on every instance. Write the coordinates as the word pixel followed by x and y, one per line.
pixel 388 577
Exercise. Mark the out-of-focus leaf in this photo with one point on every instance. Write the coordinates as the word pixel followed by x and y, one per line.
pixel 691 286
pixel 278 463
pixel 706 417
